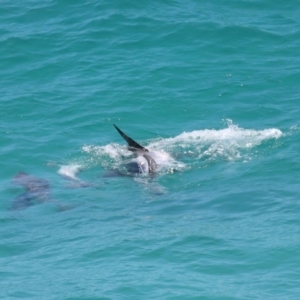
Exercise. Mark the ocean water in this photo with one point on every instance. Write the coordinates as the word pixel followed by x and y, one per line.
pixel 213 86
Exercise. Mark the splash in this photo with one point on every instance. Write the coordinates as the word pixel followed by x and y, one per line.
pixel 69 172
pixel 230 143
pixel 111 156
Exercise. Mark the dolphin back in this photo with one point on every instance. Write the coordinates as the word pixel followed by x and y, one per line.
pixel 132 145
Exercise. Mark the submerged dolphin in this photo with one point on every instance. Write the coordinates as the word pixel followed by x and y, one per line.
pixel 144 162
pixel 37 190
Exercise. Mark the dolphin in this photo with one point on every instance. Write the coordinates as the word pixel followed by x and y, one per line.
pixel 37 190
pixel 144 162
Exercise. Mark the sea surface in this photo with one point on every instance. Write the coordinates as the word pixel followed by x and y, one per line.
pixel 213 86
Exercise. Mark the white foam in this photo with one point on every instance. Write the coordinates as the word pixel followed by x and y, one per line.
pixel 229 143
pixel 111 150
pixel 70 171
pixel 212 143
pixel 111 155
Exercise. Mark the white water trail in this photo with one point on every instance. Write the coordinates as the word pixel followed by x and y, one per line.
pixel 230 143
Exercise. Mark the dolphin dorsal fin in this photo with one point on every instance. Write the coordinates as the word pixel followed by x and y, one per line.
pixel 132 145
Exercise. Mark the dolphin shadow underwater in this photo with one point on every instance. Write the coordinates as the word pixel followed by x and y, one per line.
pixel 37 190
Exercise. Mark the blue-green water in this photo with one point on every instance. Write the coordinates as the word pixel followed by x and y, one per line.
pixel 212 84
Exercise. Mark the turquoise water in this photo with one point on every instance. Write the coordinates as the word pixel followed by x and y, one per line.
pixel 211 85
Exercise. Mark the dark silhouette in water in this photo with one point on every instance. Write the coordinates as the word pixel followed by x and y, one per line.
pixel 37 190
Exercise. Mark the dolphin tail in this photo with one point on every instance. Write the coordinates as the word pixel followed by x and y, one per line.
pixel 132 145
